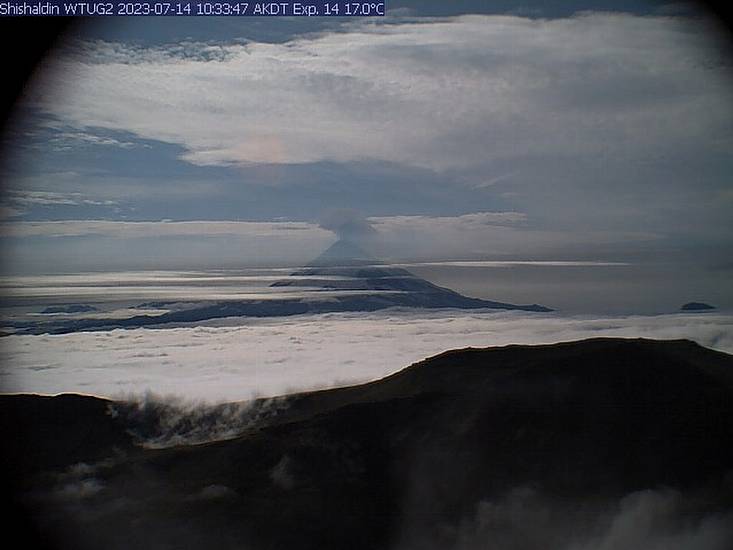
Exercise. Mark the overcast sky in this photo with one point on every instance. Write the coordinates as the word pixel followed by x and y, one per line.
pixel 553 130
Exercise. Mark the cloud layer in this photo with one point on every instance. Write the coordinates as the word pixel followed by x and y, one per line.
pixel 164 228
pixel 446 94
pixel 247 357
pixel 243 243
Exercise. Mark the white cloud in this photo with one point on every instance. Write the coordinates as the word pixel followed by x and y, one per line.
pixel 65 141
pixel 50 198
pixel 454 93
pixel 233 359
pixel 164 421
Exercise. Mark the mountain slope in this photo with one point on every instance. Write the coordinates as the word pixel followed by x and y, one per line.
pixel 343 253
pixel 575 430
pixel 346 266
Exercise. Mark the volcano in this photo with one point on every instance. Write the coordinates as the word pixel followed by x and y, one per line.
pixel 346 266
pixel 345 278
pixel 344 253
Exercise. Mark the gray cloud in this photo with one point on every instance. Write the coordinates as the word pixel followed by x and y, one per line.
pixel 216 492
pixel 7 212
pixel 663 520
pixel 525 519
pixel 125 229
pixel 281 474
pixel 78 245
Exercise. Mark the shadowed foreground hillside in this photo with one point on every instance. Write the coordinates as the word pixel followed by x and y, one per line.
pixel 600 444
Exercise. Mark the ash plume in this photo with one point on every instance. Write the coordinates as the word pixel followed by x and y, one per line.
pixel 348 224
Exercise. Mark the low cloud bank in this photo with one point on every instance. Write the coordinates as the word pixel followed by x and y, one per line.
pixel 240 359
pixel 165 421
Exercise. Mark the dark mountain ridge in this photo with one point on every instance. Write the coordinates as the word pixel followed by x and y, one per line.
pixel 401 462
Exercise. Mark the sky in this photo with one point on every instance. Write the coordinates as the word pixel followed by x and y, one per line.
pixel 550 131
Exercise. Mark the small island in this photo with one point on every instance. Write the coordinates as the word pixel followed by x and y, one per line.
pixel 696 306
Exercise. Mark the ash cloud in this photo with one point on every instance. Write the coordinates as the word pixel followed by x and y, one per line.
pixel 348 225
